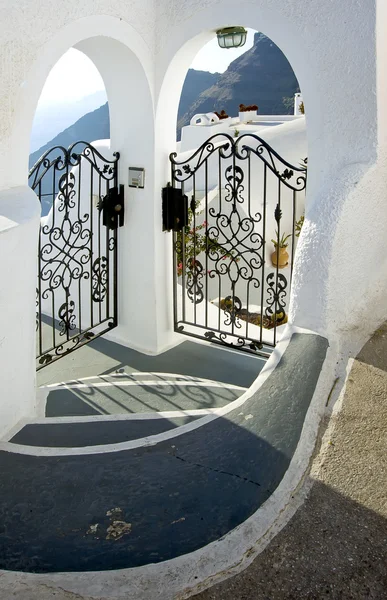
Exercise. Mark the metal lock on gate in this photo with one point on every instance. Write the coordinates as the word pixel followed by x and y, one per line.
pixel 174 209
pixel 112 207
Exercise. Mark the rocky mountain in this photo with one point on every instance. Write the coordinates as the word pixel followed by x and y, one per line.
pixel 52 118
pixel 262 76
pixel 196 82
pixel 94 125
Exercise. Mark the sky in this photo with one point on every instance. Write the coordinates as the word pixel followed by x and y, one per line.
pixel 74 76
pixel 216 60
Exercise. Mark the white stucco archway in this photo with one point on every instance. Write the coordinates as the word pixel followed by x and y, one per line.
pixel 184 42
pixel 121 57
pixel 125 64
pixel 340 150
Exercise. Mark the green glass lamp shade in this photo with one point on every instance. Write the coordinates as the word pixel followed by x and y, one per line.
pixel 231 37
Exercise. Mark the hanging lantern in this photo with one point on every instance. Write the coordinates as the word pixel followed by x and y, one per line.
pixel 231 37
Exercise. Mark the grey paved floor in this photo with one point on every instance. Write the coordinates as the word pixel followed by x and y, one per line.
pixel 95 433
pixel 146 383
pixel 336 545
pixel 165 500
pixel 207 361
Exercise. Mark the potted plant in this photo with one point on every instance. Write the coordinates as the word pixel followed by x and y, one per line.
pixel 280 256
pixel 221 115
pixel 247 113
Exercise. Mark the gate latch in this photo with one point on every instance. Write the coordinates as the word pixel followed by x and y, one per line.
pixel 112 207
pixel 174 209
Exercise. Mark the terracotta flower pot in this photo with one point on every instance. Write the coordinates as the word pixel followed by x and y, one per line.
pixel 283 258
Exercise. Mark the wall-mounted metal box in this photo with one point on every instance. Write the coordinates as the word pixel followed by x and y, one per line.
pixel 136 177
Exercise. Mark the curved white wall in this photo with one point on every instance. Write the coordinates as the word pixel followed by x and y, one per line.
pixel 33 41
pixel 19 221
pixel 339 281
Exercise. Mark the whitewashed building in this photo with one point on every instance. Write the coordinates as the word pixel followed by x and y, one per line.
pixel 143 50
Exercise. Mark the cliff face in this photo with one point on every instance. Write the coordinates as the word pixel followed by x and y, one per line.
pixel 261 76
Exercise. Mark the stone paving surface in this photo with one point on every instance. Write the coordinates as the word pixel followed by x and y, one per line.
pixel 107 378
pixel 336 545
pixel 173 497
pixel 207 361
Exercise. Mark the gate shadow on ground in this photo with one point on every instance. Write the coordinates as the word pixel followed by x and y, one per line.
pixel 205 361
pixel 116 398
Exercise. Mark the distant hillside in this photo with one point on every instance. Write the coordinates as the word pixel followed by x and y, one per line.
pixel 93 126
pixel 261 76
pixel 195 83
pixel 51 119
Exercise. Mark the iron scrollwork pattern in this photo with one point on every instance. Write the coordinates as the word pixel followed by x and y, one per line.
pixel 226 288
pixel 76 253
pixel 194 281
pixel 276 302
pixel 100 279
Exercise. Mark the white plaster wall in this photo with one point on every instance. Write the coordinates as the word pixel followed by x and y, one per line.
pixel 323 44
pixel 193 136
pixel 33 37
pixel 120 41
pixel 357 285
pixel 132 135
pixel 19 220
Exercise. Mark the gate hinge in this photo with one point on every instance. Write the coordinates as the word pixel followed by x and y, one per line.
pixel 174 209
pixel 113 207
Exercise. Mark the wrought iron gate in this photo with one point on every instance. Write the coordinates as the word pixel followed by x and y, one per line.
pixel 82 206
pixel 227 201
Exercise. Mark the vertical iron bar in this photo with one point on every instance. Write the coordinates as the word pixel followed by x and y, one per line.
pixel 67 218
pixel 184 261
pixel 174 259
pixel 107 235
pixel 194 234
pixel 98 279
pixel 40 333
pixel 293 241
pixel 206 201
pixel 53 210
pixel 219 212
pixel 91 245
pixel 263 283
pixel 277 267
pixel 234 208
pixel 115 251
pixel 80 279
pixel 53 195
pixel 252 226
